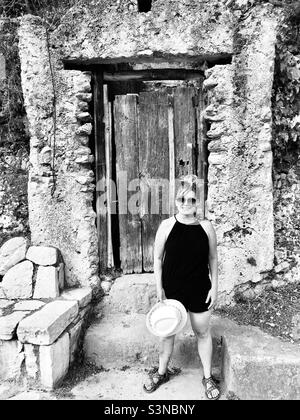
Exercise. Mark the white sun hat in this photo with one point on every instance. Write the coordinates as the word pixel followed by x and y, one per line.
pixel 166 318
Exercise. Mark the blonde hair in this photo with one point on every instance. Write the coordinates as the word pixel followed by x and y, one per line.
pixel 187 183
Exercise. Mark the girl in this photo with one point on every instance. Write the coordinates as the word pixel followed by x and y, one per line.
pixel 184 251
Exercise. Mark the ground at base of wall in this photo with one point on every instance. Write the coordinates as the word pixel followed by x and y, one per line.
pixel 277 312
pixel 90 383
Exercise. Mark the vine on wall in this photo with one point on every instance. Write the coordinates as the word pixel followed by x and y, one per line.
pixel 14 139
pixel 12 110
pixel 286 98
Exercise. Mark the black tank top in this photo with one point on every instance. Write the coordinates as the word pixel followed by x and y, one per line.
pixel 185 262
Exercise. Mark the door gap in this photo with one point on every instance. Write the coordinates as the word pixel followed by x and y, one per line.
pixel 115 232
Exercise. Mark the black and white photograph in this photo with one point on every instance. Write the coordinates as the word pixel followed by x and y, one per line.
pixel 149 203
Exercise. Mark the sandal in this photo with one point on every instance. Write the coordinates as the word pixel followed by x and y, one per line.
pixel 210 386
pixel 172 371
pixel 155 380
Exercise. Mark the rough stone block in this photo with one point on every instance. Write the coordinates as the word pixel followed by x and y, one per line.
pixel 82 159
pixel 47 324
pixel 42 255
pixel 83 151
pixel 31 353
pixel 83 96
pixel 11 358
pixel 17 282
pixel 46 155
pixel 83 296
pixel 5 305
pixel 11 253
pixel 284 266
pixel 83 106
pixel 84 130
pixel 84 140
pixel 54 362
pixel 47 283
pixel 28 305
pixel 84 180
pixel 84 117
pixel 257 366
pixel 83 83
pixel 9 323
pixel 106 286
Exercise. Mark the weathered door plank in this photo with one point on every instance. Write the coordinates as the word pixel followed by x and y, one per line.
pixel 127 170
pixel 108 165
pixel 202 152
pixel 171 137
pixel 184 128
pixel 100 168
pixel 154 167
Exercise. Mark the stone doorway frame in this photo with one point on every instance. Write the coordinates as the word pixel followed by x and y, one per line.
pixel 104 76
pixel 240 196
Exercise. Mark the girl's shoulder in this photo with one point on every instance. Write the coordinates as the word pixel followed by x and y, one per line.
pixel 166 226
pixel 207 226
pixel 166 223
pixel 206 222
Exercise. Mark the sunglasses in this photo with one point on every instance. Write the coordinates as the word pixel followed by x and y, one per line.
pixel 189 201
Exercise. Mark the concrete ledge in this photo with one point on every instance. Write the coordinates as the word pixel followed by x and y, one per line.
pixel 120 340
pixel 257 366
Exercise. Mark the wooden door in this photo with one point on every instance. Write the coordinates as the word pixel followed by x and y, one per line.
pixel 157 137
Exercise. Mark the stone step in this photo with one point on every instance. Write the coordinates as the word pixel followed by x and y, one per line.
pixel 257 366
pixel 252 364
pixel 121 340
pixel 126 384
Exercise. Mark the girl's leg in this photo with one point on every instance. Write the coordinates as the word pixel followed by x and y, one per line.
pixel 200 324
pixel 165 351
pixel 166 346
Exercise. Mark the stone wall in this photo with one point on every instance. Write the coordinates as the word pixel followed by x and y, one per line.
pixel 61 187
pixel 240 191
pixel 240 199
pixel 287 229
pixel 14 150
pixel 41 322
pixel 286 147
pixel 115 30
